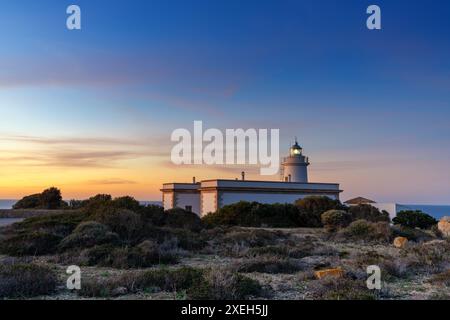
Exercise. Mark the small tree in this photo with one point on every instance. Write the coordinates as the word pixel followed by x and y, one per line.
pixel 312 207
pixel 51 198
pixel 127 202
pixel 414 219
pixel 29 202
pixel 368 212
pixel 336 219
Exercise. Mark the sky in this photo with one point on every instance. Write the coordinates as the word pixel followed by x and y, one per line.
pixel 91 111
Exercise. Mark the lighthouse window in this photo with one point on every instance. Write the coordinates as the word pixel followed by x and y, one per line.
pixel 296 151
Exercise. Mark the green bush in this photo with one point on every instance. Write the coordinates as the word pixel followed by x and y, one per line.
pixel 126 202
pixel 89 234
pixel 411 234
pixel 33 243
pixel 414 219
pixel 336 219
pixel 368 231
pixel 221 284
pixel 369 213
pixel 127 224
pixel 26 280
pixel 49 199
pixel 146 254
pixel 61 224
pixel 164 279
pixel 268 264
pixel 182 219
pixel 340 289
pixel 311 209
pixel 254 214
pixel 29 202
pixel 39 235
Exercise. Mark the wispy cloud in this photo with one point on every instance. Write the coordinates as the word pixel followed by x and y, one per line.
pixel 83 152
pixel 112 181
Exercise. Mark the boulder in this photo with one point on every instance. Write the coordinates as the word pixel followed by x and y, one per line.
pixel 334 273
pixel 444 226
pixel 400 242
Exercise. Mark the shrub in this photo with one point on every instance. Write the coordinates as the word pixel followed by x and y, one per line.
pixel 411 234
pixel 281 251
pixel 441 278
pixel 272 265
pixel 166 280
pixel 89 234
pixel 185 239
pixel 26 280
pixel 59 224
pixel 153 215
pixel 414 219
pixel 335 219
pixel 221 284
pixel 29 202
pixel 126 202
pixel 49 199
pixel 252 237
pixel 368 231
pixel 340 289
pixel 33 243
pixel 144 255
pixel 312 207
pixel 127 224
pixel 368 212
pixel 179 218
pixel 254 214
pixel 39 235
pixel 431 256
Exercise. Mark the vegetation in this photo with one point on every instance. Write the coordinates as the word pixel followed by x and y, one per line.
pixel 364 230
pixel 311 209
pixel 335 219
pixel 414 219
pixel 369 213
pixel 145 252
pixel 254 214
pixel 49 199
pixel 88 234
pixel 26 280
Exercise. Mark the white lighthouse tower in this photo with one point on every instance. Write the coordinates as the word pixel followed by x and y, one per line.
pixel 295 167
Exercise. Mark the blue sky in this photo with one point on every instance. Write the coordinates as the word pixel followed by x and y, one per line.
pixel 370 107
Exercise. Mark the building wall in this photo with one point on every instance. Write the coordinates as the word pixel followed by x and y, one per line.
pixel 208 202
pixel 167 200
pixel 183 199
pixel 389 207
pixel 231 197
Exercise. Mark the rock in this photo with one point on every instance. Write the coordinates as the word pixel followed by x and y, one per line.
pixel 335 273
pixel 444 226
pixel 400 242
pixel 120 291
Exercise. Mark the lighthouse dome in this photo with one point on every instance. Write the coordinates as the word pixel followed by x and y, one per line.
pixel 296 150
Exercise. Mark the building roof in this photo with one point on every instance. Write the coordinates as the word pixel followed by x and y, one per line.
pixel 359 200
pixel 253 185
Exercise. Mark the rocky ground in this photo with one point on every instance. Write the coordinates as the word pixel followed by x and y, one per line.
pixel 417 271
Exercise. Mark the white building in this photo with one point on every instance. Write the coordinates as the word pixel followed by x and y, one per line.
pixel 209 195
pixel 394 208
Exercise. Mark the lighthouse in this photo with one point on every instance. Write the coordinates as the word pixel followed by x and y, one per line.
pixel 295 166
